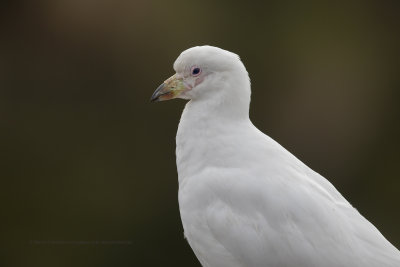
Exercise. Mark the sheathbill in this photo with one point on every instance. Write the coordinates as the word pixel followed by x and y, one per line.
pixel 245 200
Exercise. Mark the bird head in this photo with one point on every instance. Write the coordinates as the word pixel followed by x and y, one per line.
pixel 204 72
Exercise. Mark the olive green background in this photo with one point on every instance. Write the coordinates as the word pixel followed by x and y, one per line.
pixel 88 175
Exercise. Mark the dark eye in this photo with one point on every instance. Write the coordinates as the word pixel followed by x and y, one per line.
pixel 196 71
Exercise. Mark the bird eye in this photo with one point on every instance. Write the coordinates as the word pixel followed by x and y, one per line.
pixel 196 71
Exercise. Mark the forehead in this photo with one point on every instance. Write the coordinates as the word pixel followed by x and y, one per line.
pixel 206 57
pixel 181 65
pixel 187 59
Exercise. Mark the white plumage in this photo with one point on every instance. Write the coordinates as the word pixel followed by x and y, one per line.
pixel 244 199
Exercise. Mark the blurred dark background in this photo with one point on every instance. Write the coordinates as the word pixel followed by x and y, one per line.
pixel 88 174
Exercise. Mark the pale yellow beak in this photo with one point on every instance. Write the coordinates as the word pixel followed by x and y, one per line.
pixel 169 89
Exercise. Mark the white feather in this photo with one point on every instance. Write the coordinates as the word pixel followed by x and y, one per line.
pixel 244 199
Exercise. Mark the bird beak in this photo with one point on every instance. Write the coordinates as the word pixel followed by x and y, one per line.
pixel 169 89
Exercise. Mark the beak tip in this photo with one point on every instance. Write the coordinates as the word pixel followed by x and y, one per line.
pixel 156 95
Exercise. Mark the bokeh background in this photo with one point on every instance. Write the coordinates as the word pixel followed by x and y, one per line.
pixel 88 174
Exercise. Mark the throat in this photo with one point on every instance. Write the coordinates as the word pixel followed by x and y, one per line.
pixel 211 118
pixel 204 136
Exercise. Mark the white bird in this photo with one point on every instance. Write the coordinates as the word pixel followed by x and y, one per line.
pixel 245 200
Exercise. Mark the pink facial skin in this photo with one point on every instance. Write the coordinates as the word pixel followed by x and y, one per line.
pixel 198 80
pixel 188 86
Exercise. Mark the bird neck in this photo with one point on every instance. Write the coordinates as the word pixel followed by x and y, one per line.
pixel 227 99
pixel 204 130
